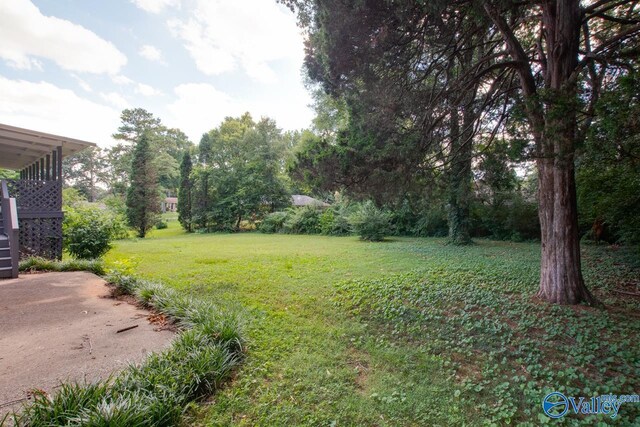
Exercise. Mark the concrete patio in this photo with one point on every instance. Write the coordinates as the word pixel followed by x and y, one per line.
pixel 58 327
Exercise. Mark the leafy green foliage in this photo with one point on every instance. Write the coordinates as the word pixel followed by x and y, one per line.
pixel 168 144
pixel 369 222
pixel 239 175
pixel 143 199
pixel 334 220
pixel 8 174
pixel 509 216
pixel 88 231
pixel 316 360
pixel 185 193
pixel 608 173
pixel 85 170
pixel 115 204
pixel 303 220
pixel 95 266
pixel 505 350
pixel 273 222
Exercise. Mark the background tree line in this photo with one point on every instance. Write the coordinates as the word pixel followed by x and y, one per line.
pixel 471 118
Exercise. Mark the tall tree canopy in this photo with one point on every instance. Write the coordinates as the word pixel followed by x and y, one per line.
pixel 185 194
pixel 168 144
pixel 239 173
pixel 86 171
pixel 143 201
pixel 407 68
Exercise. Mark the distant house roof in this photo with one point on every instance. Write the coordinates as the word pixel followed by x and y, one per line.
pixel 171 200
pixel 302 200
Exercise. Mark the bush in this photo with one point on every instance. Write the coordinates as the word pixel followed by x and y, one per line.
pixel 433 222
pixel 335 220
pixel 88 231
pixel 327 219
pixel 369 222
pixel 161 225
pixel 509 217
pixel 273 222
pixel 115 204
pixel 305 220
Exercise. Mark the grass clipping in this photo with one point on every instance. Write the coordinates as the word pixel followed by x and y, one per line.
pixel 156 392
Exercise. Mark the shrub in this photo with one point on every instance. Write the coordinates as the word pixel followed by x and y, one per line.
pixel 160 225
pixel 403 218
pixel 71 198
pixel 115 204
pixel 327 219
pixel 119 228
pixel 509 217
pixel 305 220
pixel 335 220
pixel 433 222
pixel 369 222
pixel 88 231
pixel 273 222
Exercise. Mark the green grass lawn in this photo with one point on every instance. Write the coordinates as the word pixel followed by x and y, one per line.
pixel 403 332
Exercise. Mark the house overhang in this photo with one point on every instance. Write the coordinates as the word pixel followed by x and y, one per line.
pixel 21 147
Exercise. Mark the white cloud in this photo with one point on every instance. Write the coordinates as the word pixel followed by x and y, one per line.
pixel 146 90
pixel 82 83
pixel 115 99
pixel 26 33
pixel 200 107
pixel 156 6
pixel 45 107
pixel 151 53
pixel 222 36
pixel 121 80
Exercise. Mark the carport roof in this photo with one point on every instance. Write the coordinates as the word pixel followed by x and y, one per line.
pixel 21 147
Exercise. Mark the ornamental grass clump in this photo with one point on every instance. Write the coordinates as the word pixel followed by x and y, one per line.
pixel 155 392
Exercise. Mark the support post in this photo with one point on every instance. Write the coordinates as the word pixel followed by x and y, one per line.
pixel 48 167
pixel 54 167
pixel 42 169
pixel 59 165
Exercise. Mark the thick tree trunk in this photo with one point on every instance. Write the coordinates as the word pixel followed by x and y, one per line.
pixel 553 122
pixel 459 180
pixel 561 279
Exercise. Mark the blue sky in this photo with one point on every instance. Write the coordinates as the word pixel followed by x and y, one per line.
pixel 70 66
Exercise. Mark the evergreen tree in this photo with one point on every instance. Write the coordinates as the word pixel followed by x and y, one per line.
pixel 184 194
pixel 143 198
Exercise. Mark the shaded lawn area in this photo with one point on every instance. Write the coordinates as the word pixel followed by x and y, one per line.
pixel 404 332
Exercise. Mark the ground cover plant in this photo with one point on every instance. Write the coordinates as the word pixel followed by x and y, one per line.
pixel 156 392
pixel 35 264
pixel 402 332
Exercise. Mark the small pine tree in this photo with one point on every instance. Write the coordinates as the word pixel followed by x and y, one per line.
pixel 143 196
pixel 184 193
